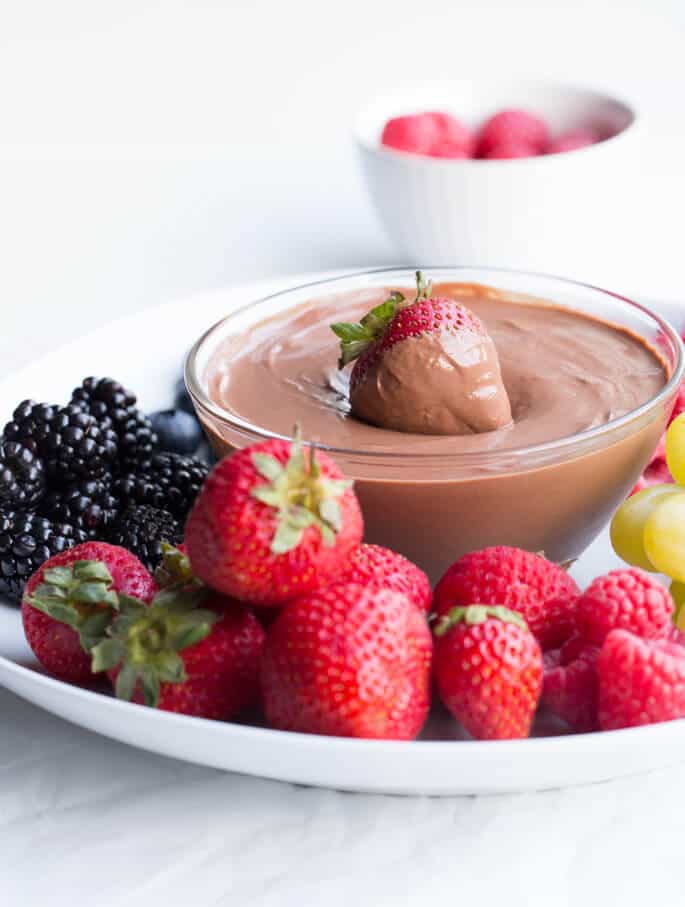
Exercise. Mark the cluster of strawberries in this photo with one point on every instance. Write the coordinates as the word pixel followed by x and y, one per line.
pixel 273 600
pixel 505 135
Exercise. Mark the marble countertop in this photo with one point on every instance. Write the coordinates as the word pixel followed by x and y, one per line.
pixel 81 816
pixel 136 168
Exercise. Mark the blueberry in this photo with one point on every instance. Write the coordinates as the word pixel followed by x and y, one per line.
pixel 182 399
pixel 178 431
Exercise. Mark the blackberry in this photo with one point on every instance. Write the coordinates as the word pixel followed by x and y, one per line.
pixel 26 542
pixel 137 442
pixel 109 401
pixel 77 446
pixel 142 531
pixel 87 505
pixel 22 477
pixel 30 424
pixel 171 482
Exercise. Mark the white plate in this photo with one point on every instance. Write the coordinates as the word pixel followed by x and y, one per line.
pixel 145 352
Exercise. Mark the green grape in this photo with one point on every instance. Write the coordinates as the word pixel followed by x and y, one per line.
pixel 675 449
pixel 664 537
pixel 627 526
pixel 678 594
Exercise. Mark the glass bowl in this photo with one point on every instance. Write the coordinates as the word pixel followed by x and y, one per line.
pixel 434 506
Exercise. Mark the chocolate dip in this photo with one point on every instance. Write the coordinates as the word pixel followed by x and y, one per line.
pixel 564 373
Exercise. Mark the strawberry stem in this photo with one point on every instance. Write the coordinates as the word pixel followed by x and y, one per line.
pixel 300 494
pixel 423 287
pixel 144 641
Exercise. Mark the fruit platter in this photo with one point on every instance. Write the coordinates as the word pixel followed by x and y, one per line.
pixel 291 600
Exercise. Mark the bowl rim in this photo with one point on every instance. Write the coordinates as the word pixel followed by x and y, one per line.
pixel 423 160
pixel 484 457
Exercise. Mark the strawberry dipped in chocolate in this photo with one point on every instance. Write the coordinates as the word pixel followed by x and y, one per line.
pixel 426 366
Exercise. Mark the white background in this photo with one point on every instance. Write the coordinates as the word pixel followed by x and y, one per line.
pixel 148 150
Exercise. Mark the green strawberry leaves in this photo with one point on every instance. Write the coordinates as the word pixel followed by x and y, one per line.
pixel 79 595
pixel 144 641
pixel 301 495
pixel 472 615
pixel 355 338
pixel 120 632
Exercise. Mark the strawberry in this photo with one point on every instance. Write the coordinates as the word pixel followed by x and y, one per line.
pixel 189 652
pixel 272 523
pixel 572 140
pixel 512 128
pixel 543 593
pixel 397 319
pixel 350 661
pixel 488 670
pixel 71 599
pixel 626 599
pixel 641 681
pixel 570 684
pixel 421 338
pixel 373 564
pixel 433 133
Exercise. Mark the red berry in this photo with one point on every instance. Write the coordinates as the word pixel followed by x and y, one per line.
pixel 272 523
pixel 447 149
pixel 519 580
pixel 387 337
pixel 348 661
pixel 679 405
pixel 570 685
pixel 488 671
pixel 436 315
pixel 510 128
pixel 509 151
pixel 425 133
pixel 641 681
pixel 58 645
pixel 374 565
pixel 628 599
pixel 656 473
pixel 572 140
pixel 220 672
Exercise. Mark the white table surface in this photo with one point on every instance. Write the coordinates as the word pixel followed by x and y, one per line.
pixel 150 149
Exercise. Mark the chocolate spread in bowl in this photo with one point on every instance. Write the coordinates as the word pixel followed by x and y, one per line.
pixel 564 372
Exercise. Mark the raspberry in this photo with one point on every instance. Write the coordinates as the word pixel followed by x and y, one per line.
pixel 572 140
pixel 433 133
pixel 509 150
pixel 510 128
pixel 555 620
pixel 519 580
pixel 679 405
pixel 641 681
pixel 627 599
pixel 449 149
pixel 656 473
pixel 570 684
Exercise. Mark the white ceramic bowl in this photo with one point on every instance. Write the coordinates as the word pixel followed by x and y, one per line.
pixel 560 212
